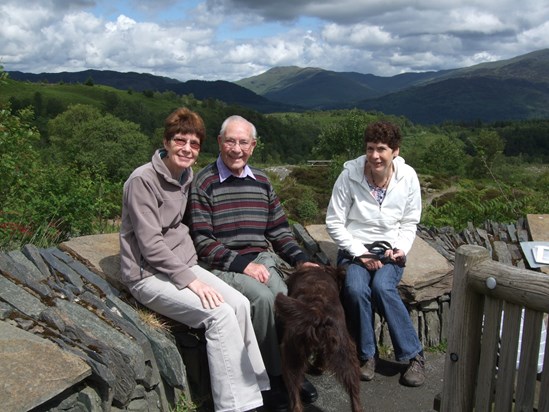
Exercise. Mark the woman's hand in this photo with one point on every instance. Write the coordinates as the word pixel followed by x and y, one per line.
pixel 371 263
pixel 209 297
pixel 396 255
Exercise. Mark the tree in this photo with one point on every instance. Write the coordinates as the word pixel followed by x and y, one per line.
pixel 488 145
pixel 84 137
pixel 18 157
pixel 343 138
pixel 436 153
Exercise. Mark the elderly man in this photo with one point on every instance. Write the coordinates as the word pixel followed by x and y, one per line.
pixel 236 221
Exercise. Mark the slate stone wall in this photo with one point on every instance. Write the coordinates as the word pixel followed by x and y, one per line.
pixel 70 341
pixel 132 366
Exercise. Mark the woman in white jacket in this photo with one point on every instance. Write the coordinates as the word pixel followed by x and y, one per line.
pixel 376 201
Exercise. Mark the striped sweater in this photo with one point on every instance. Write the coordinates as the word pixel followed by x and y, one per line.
pixel 231 222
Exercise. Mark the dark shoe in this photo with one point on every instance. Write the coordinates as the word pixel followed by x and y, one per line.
pixel 367 369
pixel 275 400
pixel 308 392
pixel 415 373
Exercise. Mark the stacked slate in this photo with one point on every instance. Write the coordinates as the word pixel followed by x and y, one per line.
pixel 101 355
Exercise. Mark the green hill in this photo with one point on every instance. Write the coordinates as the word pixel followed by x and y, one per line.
pixel 513 89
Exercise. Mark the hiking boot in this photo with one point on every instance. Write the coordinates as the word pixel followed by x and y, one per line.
pixel 367 369
pixel 415 373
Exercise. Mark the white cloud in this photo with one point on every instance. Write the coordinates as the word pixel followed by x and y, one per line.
pixel 356 35
pixel 232 39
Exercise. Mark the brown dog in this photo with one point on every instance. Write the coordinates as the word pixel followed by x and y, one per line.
pixel 313 327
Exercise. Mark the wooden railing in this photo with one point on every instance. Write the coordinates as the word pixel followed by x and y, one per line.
pixel 480 371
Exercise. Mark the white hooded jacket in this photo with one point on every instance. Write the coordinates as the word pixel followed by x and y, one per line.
pixel 355 218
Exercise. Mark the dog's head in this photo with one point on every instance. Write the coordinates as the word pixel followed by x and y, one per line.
pixel 320 273
pixel 309 325
pixel 312 312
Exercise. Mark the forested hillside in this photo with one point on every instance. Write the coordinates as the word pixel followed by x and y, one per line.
pixel 66 149
pixel 513 89
pixel 506 90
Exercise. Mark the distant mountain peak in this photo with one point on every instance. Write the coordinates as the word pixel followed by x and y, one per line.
pixel 511 89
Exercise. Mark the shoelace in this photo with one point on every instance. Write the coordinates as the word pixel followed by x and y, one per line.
pixel 417 365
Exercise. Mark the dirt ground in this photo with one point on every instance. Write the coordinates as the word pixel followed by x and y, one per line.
pixel 384 393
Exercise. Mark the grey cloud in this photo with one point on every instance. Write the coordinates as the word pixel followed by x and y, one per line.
pixel 383 37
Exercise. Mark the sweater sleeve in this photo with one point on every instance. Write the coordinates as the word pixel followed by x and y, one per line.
pixel 279 234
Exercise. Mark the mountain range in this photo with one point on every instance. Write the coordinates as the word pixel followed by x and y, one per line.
pixel 513 89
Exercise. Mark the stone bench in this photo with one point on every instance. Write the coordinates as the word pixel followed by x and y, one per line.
pixel 428 274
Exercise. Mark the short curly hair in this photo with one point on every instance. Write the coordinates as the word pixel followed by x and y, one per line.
pixel 383 132
pixel 184 121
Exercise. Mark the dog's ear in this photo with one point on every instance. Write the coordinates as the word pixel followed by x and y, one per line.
pixel 289 308
pixel 296 315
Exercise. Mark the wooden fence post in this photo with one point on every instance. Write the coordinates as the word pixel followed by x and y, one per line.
pixel 462 355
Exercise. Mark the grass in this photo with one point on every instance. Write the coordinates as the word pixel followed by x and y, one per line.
pixel 153 319
pixel 440 348
pixel 184 405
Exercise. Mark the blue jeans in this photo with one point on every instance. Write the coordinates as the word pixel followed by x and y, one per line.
pixel 362 292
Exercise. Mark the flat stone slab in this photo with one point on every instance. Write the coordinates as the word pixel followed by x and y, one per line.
pixel 325 242
pixel 101 253
pixel 538 226
pixel 33 369
pixel 427 275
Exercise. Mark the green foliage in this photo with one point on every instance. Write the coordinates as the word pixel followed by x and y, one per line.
pixel 305 194
pixel 44 202
pixel 60 205
pixel 184 404
pixel 436 153
pixel 83 137
pixel 307 208
pixel 18 157
pixel 487 146
pixel 65 150
pixel 343 138
pixel 478 202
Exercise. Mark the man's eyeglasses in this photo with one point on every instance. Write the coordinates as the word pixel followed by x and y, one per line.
pixel 182 142
pixel 244 144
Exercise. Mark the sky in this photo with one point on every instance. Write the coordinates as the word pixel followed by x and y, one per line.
pixel 235 39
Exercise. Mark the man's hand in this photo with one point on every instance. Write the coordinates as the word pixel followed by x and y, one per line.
pixel 309 265
pixel 257 271
pixel 210 297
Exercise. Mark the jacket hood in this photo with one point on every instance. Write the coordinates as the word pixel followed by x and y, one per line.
pixel 162 169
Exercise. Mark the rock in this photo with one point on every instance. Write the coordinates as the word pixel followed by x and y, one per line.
pixel 20 299
pixel 100 253
pixel 427 276
pixel 34 370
